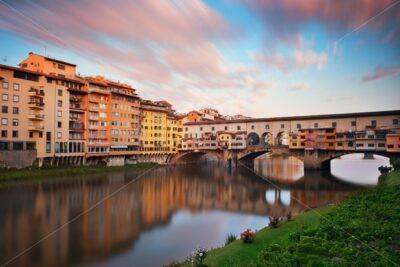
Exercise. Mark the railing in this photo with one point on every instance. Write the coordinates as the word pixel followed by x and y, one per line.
pixel 36 104
pixel 95 118
pixel 36 116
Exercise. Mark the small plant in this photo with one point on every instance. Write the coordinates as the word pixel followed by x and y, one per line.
pixel 273 221
pixel 230 238
pixel 197 257
pixel 289 216
pixel 247 236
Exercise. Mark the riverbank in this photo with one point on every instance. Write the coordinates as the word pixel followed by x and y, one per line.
pixel 27 174
pixel 361 231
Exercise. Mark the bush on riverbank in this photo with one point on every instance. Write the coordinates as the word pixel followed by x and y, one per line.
pixel 57 172
pixel 362 231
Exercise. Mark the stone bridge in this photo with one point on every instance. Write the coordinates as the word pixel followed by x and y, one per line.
pixel 312 159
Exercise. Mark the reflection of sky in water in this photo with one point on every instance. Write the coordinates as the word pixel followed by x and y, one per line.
pixel 280 169
pixel 185 232
pixel 272 196
pixel 355 169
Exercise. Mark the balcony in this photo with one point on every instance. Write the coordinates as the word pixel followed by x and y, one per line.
pixel 76 127
pixel 37 128
pixel 36 105
pixel 93 108
pixel 35 93
pixel 94 118
pixel 39 117
pixel 74 119
pixel 93 127
pixel 76 106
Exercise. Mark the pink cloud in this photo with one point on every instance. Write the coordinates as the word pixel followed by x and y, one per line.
pixel 131 37
pixel 283 19
pixel 380 73
pixel 299 86
pixel 299 58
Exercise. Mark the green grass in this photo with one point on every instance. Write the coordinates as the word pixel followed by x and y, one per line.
pixel 364 230
pixel 7 175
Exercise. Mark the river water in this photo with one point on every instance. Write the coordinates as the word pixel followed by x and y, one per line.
pixel 163 215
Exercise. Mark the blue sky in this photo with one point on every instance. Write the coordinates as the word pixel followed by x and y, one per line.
pixel 259 58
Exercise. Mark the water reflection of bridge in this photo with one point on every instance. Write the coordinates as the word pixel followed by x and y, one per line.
pixel 147 203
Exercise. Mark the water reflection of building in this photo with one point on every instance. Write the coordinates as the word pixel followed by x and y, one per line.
pixel 115 224
pixel 288 169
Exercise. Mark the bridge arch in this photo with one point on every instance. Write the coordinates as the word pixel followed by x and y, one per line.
pixel 253 139
pixel 282 138
pixel 267 138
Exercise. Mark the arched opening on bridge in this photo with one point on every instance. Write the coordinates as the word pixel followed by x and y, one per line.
pixel 253 139
pixel 282 138
pixel 267 138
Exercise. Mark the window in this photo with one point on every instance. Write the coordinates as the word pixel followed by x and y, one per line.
pixel 59 135
pixel 4 121
pixel 15 134
pixel 334 124
pixel 15 110
pixel 59 92
pixel 4 97
pixel 226 128
pixel 238 127
pixel 4 133
pixel 282 126
pixel 371 145
pixel 201 128
pixel 16 98
pixel 316 125
pixel 48 136
pixel 16 86
pixel 353 123
pixel 18 145
pixel 213 128
pixel 15 122
pixel 298 126
pixel 5 85
pixel 266 127
pixel 3 145
pixel 373 123
pixel 61 66
pixel 252 127
pixel 59 113
pixel 30 134
pixel 395 121
pixel 59 103
pixel 4 109
pixel 59 124
pixel 48 147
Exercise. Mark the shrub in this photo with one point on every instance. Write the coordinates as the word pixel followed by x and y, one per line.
pixel 247 236
pixel 230 238
pixel 273 221
pixel 197 257
pixel 289 216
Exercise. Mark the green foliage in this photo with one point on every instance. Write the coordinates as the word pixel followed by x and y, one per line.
pixel 230 238
pixel 363 231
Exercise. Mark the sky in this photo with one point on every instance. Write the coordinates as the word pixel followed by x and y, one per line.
pixel 252 57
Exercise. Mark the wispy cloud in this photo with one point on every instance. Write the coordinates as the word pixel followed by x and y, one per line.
pixel 380 73
pixel 285 18
pixel 299 58
pixel 303 86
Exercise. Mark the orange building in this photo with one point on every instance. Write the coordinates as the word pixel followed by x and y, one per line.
pixel 393 142
pixel 114 114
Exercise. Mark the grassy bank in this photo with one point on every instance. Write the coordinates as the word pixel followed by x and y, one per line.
pixel 362 231
pixel 58 172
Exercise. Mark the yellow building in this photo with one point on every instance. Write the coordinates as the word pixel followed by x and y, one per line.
pixel 174 133
pixel 154 127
